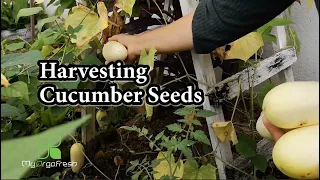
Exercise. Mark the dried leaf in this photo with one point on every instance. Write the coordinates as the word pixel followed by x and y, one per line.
pixel 225 131
pixel 163 167
pixel 115 27
pixel 126 5
pixel 92 25
pixel 4 80
pixel 118 161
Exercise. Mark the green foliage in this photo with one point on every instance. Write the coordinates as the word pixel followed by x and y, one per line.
pixel 12 156
pixel 266 29
pixel 9 111
pixel 9 12
pixel 44 21
pixel 260 162
pixel 265 89
pixel 192 171
pixel 293 39
pixel 175 144
pixel 15 46
pixel 27 12
pixel 246 146
pixel 18 90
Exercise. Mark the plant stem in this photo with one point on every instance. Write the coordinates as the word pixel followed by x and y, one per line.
pixel 165 21
pixel 172 81
pixel 213 154
pixel 252 121
pixel 180 156
pixel 115 177
pixel 146 170
pixel 168 160
pixel 200 82
pixel 236 104
pixel 64 52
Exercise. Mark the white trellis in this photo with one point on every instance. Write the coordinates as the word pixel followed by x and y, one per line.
pixel 278 64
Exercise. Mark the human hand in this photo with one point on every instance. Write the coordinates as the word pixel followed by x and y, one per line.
pixel 134 47
pixel 274 131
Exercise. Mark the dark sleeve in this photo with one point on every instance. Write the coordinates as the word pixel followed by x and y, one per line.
pixel 219 22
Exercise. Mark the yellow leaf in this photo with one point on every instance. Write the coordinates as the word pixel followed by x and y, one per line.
pixel 92 25
pixel 126 5
pixel 149 110
pixel 4 80
pixel 310 4
pixel 225 131
pixel 163 167
pixel 80 14
pixel 245 47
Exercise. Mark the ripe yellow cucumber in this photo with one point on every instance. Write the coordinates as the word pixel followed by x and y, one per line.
pixel 293 104
pixel 76 156
pixel 296 153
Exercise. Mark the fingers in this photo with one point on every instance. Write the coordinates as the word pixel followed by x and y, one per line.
pixel 114 38
pixel 274 131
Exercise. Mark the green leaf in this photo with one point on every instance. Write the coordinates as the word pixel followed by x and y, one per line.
pixel 293 40
pixel 207 172
pixel 136 175
pixel 9 111
pixel 15 46
pixel 269 37
pixel 88 60
pixel 31 81
pixel 37 44
pixel 127 128
pixel 196 122
pixel 28 12
pixel 148 59
pixel 17 89
pixel 265 89
pixel 260 162
pixel 184 111
pixel 246 146
pixel 191 171
pixel 17 5
pixel 183 146
pixel 280 22
pixel 205 113
pixel 28 58
pixel 44 21
pixel 46 50
pixel 158 136
pixel 272 23
pixel 200 136
pixel 175 127
pixel 78 51
pixel 46 117
pixel 66 85
pixel 14 151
